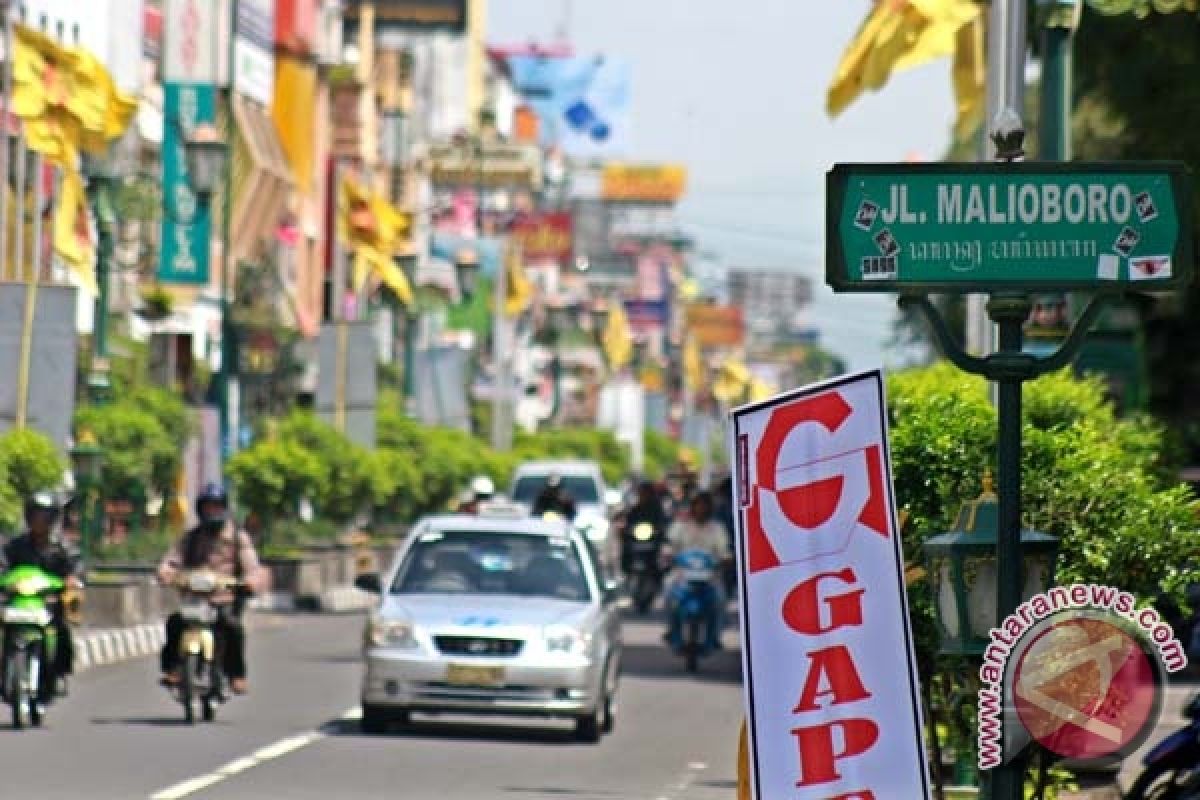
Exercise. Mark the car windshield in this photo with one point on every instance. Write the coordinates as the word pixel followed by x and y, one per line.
pixel 486 562
pixel 581 488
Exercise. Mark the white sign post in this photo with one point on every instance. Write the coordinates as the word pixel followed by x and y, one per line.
pixel 830 674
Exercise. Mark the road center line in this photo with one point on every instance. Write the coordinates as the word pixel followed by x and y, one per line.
pixel 244 763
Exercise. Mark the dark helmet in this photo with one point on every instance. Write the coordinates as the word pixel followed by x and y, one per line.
pixel 212 493
pixel 43 500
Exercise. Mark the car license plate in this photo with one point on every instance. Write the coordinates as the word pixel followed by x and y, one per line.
pixel 470 675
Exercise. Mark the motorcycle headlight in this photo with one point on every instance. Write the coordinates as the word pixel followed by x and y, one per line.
pixel 643 531
pixel 565 639
pixel 383 632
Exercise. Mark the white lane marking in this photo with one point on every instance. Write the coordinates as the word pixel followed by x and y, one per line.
pixel 240 765
pixel 685 780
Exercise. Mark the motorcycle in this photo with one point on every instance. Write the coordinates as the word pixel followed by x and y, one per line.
pixel 30 640
pixel 202 680
pixel 691 602
pixel 642 555
pixel 1172 767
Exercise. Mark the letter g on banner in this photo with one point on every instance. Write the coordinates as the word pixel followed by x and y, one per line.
pixel 809 494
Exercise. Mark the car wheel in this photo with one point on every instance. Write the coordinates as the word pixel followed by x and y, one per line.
pixel 587 728
pixel 610 700
pixel 374 720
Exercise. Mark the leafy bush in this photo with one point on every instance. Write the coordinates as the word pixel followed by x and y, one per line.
pixel 1088 477
pixel 28 462
pixel 662 454
pixel 147 546
pixel 271 477
pixel 143 436
pixel 347 486
pixel 138 452
pixel 31 461
pixel 1095 481
pixel 588 443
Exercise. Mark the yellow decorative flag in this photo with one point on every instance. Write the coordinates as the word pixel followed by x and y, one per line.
pixel 731 383
pixel 373 230
pixel 760 390
pixel 896 35
pixel 43 74
pixel 72 230
pixel 970 78
pixel 104 111
pixel 617 338
pixel 519 289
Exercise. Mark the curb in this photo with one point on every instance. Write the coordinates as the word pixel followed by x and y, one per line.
pixel 96 648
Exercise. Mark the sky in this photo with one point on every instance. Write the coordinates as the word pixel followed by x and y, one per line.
pixel 736 91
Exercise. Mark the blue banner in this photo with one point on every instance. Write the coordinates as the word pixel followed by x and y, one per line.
pixel 186 222
pixel 583 104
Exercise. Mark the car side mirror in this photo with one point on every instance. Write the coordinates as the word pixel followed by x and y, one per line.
pixel 612 590
pixel 369 582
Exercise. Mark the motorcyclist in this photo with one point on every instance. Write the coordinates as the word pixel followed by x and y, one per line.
pixel 481 491
pixel 41 546
pixel 554 498
pixel 646 509
pixel 218 544
pixel 699 530
pixel 723 512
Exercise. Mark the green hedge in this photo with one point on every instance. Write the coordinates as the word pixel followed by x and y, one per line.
pixel 143 435
pixel 1095 481
pixel 29 462
pixel 413 470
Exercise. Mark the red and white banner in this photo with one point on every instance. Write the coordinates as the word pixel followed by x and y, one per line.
pixel 830 675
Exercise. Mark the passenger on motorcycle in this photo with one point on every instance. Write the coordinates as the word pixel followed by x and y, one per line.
pixel 481 491
pixel 554 498
pixel 698 530
pixel 42 547
pixel 647 509
pixel 218 544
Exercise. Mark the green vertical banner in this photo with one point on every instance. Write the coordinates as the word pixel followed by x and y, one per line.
pixel 186 222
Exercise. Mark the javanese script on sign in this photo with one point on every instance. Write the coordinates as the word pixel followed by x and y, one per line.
pixel 971 227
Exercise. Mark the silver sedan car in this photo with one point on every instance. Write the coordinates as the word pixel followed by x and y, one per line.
pixel 494 614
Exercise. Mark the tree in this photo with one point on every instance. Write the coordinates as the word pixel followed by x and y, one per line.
pixel 1096 482
pixel 1135 97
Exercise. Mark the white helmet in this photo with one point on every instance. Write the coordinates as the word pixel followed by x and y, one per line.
pixel 482 487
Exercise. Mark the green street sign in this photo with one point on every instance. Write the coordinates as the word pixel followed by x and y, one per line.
pixel 982 227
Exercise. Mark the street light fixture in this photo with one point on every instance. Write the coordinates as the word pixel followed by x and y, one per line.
pixel 205 152
pixel 963 571
pixel 87 460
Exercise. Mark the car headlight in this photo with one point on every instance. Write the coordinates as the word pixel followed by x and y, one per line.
pixel 391 633
pixel 565 639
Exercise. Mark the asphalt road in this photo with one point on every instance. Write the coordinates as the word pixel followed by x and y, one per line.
pixel 295 735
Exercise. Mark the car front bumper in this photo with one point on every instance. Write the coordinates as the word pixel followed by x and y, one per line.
pixel 414 682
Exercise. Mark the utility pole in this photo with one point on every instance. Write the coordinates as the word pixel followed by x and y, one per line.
pixel 227 385
pixel 1005 114
pixel 6 141
pixel 1005 90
